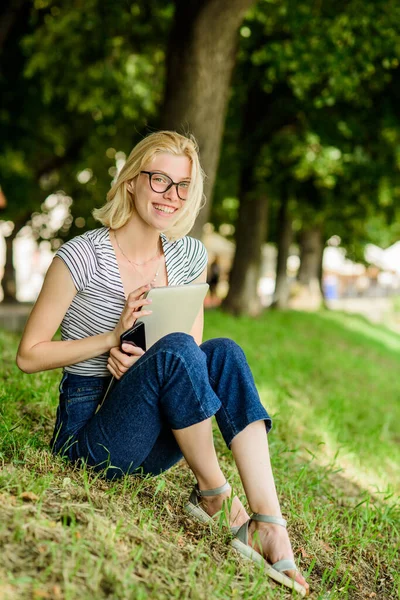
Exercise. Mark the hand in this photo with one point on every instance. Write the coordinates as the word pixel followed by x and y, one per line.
pixel 131 312
pixel 120 361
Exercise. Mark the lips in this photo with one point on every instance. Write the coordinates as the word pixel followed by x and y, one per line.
pixel 164 210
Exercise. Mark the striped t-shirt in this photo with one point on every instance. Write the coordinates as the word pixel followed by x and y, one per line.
pixel 100 296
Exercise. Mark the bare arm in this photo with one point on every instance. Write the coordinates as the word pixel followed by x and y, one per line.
pixel 37 351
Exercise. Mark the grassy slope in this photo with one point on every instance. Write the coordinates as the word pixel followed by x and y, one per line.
pixel 331 383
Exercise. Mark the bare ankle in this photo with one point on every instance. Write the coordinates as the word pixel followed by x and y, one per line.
pixel 214 483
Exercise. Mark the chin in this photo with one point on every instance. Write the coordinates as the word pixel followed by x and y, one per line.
pixel 164 224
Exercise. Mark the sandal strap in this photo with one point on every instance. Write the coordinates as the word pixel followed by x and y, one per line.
pixel 243 532
pixel 214 491
pixel 268 519
pixel 285 564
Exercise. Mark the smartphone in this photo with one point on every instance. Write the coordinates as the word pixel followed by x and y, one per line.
pixel 135 336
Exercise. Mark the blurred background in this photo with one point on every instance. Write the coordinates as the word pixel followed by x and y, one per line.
pixel 295 106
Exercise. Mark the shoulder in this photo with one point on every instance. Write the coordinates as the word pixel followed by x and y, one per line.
pixel 87 243
pixel 186 258
pixel 93 237
pixel 193 247
pixel 81 255
pixel 196 256
pixel 187 248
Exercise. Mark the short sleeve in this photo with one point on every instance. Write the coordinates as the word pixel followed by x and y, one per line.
pixel 197 258
pixel 80 257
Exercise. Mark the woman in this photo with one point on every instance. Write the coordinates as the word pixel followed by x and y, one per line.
pixel 162 404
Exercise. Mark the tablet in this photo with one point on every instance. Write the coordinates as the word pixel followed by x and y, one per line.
pixel 174 307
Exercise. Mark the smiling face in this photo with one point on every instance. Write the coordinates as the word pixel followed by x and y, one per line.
pixel 161 210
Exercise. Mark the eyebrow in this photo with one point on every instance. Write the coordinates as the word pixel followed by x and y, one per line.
pixel 164 173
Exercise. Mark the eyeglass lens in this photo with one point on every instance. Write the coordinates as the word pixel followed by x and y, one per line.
pixel 160 183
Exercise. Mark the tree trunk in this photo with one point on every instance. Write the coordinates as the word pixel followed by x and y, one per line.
pixel 251 231
pixel 308 295
pixel 321 273
pixel 9 283
pixel 285 236
pixel 9 16
pixel 200 61
pixel 310 255
pixel 9 280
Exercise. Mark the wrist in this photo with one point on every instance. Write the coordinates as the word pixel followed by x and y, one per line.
pixel 112 340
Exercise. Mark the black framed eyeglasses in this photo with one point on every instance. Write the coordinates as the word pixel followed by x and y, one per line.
pixel 161 183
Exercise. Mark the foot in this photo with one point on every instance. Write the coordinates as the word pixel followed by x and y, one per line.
pixel 237 514
pixel 272 542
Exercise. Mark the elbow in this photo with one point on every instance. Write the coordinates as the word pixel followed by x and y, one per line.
pixel 24 365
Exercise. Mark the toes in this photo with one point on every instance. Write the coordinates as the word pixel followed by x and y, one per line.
pixel 297 577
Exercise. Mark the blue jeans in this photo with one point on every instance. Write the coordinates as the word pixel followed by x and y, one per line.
pixel 175 384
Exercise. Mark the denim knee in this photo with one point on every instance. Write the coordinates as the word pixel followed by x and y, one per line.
pixel 223 346
pixel 180 372
pixel 177 342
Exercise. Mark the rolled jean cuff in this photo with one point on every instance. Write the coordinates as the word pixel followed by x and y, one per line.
pixel 201 412
pixel 259 414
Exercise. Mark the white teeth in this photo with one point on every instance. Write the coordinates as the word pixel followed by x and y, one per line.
pixel 164 209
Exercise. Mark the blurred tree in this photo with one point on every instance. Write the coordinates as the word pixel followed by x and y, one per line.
pixel 261 117
pixel 77 84
pixel 284 240
pixel 74 77
pixel 201 57
pixel 330 64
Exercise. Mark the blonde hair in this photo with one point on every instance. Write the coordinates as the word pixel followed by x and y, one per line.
pixel 120 207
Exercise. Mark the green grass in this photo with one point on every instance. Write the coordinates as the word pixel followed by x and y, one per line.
pixel 331 383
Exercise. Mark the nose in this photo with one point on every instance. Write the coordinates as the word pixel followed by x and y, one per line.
pixel 171 194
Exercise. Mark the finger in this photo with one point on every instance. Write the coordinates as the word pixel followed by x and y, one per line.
pixel 122 361
pixel 129 318
pixel 128 322
pixel 113 372
pixel 119 357
pixel 121 364
pixel 113 364
pixel 132 350
pixel 139 292
pixel 118 361
pixel 140 313
pixel 138 305
pixel 116 353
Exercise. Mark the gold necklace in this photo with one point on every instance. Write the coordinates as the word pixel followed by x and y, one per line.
pixel 134 265
pixel 132 261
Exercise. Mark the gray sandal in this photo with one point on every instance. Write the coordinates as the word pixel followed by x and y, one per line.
pixel 194 509
pixel 241 543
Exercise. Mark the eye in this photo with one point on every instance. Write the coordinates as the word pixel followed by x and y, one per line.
pixel 159 178
pixel 184 185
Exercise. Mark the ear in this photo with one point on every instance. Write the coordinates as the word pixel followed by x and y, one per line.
pixel 130 186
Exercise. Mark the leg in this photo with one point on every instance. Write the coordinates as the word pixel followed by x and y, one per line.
pixel 197 445
pixel 243 423
pixel 251 454
pixel 231 379
pixel 168 388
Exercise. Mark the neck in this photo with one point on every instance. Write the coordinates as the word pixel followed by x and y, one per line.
pixel 137 243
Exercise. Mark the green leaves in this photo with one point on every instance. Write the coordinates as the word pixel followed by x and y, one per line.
pixel 323 80
pixel 78 79
pixel 327 51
